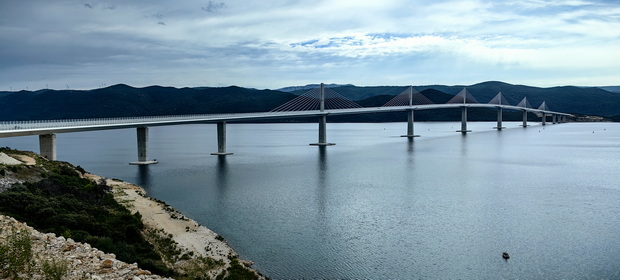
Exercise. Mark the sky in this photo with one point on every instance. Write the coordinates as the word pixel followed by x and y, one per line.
pixel 89 44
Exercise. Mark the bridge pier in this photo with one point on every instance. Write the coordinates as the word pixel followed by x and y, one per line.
pixel 524 119
pixel 47 146
pixel 544 119
pixel 221 140
pixel 554 118
pixel 322 132
pixel 463 121
pixel 410 119
pixel 322 121
pixel 499 119
pixel 143 143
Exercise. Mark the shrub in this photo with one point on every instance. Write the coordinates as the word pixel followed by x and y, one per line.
pixel 16 254
pixel 54 269
pixel 66 204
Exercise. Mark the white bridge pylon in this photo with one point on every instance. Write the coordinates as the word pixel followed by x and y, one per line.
pixel 409 97
pixel 499 99
pixel 463 97
pixel 320 98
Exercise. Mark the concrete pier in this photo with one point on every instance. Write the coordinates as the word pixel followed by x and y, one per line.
pixel 410 119
pixel 554 119
pixel 499 119
pixel 463 120
pixel 322 121
pixel 323 133
pixel 221 140
pixel 544 119
pixel 47 146
pixel 143 144
pixel 524 119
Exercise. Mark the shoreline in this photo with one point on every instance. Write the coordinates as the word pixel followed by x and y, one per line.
pixel 191 237
pixel 185 247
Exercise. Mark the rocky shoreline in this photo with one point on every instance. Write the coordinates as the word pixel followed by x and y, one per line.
pixel 80 259
pixel 190 237
pixel 190 249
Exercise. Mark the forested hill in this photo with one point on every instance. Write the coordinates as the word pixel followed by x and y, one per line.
pixel 123 100
pixel 572 99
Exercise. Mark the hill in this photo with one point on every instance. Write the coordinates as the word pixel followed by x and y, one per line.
pixel 126 101
pixel 572 99
pixel 611 88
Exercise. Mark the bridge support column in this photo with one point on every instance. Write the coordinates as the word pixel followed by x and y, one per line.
pixel 322 133
pixel 410 119
pixel 524 119
pixel 221 140
pixel 143 144
pixel 499 119
pixel 554 118
pixel 463 121
pixel 47 146
pixel 544 119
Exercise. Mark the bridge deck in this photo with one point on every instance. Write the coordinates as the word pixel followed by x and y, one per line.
pixel 23 128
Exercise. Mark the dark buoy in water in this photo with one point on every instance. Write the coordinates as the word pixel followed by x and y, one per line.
pixel 505 256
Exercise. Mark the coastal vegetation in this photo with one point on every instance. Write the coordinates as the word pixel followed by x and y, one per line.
pixel 55 197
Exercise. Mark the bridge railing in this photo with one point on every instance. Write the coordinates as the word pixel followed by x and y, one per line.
pixel 42 124
pixel 62 123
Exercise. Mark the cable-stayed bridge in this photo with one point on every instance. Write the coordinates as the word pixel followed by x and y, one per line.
pixel 319 102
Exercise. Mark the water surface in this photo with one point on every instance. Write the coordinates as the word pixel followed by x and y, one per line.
pixel 376 205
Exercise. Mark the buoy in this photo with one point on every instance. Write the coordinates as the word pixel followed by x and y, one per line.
pixel 505 256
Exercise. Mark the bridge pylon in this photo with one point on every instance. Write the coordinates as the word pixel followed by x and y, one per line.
pixel 543 106
pixel 322 121
pixel 463 97
pixel 500 100
pixel 410 116
pixel 525 104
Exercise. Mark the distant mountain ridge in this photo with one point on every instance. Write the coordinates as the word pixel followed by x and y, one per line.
pixel 611 88
pixel 124 101
pixel 309 87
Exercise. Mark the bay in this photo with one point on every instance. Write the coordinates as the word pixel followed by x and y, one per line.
pixel 379 206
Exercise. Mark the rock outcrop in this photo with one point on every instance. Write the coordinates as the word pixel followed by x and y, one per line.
pixel 80 260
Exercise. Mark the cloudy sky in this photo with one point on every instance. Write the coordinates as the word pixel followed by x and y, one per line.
pixel 271 44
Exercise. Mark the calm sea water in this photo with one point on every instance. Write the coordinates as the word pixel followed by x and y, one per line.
pixel 443 206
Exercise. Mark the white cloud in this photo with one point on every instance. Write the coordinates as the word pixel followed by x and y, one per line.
pixel 273 44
